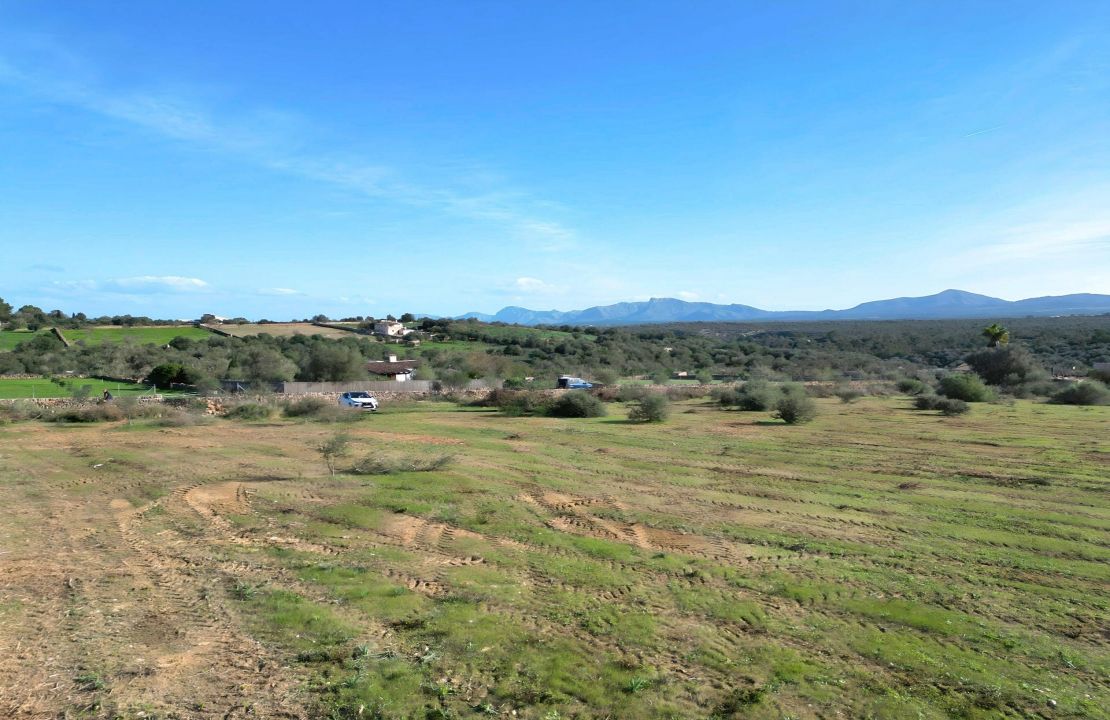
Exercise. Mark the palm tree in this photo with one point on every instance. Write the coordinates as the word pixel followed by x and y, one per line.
pixel 996 335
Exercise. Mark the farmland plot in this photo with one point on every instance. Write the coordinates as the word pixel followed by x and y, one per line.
pixel 876 563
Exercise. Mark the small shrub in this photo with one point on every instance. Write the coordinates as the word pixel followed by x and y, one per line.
pixel 966 387
pixel 848 394
pixel 20 411
pixel 926 402
pixel 516 402
pixel 911 386
pixel 686 392
pixel 631 393
pixel 794 406
pixel 332 449
pixel 81 392
pixel 86 414
pixel 650 408
pixel 305 407
pixel 1006 365
pixel 951 406
pixel 755 396
pixel 1088 392
pixel 576 404
pixel 607 393
pixel 383 465
pixel 250 411
pixel 725 396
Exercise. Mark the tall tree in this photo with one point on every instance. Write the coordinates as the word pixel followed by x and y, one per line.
pixel 996 335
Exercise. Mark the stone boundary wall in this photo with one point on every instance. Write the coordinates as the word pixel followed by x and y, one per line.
pixel 426 387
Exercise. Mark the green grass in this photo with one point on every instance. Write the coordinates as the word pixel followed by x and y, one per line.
pixel 13 388
pixel 140 335
pixel 9 339
pixel 157 335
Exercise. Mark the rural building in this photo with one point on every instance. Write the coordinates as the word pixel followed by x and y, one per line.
pixel 394 369
pixel 388 328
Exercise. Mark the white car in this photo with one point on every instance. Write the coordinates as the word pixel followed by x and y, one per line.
pixel 358 399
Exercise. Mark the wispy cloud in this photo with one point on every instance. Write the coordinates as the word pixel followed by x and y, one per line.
pixel 687 295
pixel 140 285
pixel 263 139
pixel 279 291
pixel 530 285
pixel 1042 241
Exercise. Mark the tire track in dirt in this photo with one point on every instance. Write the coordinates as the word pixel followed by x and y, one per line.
pixel 207 652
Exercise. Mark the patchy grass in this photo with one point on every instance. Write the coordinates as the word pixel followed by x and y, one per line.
pixel 878 562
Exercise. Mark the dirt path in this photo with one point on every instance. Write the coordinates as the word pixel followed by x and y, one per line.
pixel 102 614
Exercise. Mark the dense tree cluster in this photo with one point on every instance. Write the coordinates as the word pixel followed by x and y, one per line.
pixel 1018 359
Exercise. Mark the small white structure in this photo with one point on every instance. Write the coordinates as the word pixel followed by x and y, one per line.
pixel 389 328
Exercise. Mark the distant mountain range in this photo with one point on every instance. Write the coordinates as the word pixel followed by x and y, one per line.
pixel 949 304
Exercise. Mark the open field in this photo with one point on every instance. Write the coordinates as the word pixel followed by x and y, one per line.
pixel 285 330
pixel 9 339
pixel 879 562
pixel 156 334
pixel 44 388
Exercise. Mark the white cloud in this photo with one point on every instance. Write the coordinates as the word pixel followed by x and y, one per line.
pixel 687 295
pixel 279 291
pixel 140 285
pixel 530 285
pixel 157 283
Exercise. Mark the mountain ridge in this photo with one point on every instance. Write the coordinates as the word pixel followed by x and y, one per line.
pixel 945 305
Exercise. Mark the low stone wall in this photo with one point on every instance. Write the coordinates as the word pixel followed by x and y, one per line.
pixel 73 402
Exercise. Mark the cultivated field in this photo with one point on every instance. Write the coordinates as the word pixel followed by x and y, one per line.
pixel 285 330
pixel 11 388
pixel 879 562
pixel 9 339
pixel 156 334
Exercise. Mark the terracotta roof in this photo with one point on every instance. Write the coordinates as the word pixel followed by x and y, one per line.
pixel 384 367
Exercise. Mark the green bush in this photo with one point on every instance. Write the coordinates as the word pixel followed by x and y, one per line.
pixel 966 387
pixel 755 395
pixel 794 406
pixel 250 411
pixel 848 394
pixel 515 402
pixel 650 408
pixel 385 465
pixel 726 396
pixel 631 393
pixel 305 407
pixel 1006 365
pixel 576 404
pixel 951 406
pixel 1087 392
pixel 926 401
pixel 911 386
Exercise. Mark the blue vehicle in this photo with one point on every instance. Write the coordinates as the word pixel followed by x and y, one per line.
pixel 566 382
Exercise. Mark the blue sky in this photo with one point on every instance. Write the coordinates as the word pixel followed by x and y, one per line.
pixel 277 160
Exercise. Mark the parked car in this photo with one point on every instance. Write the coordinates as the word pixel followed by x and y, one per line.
pixel 359 399
pixel 566 382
